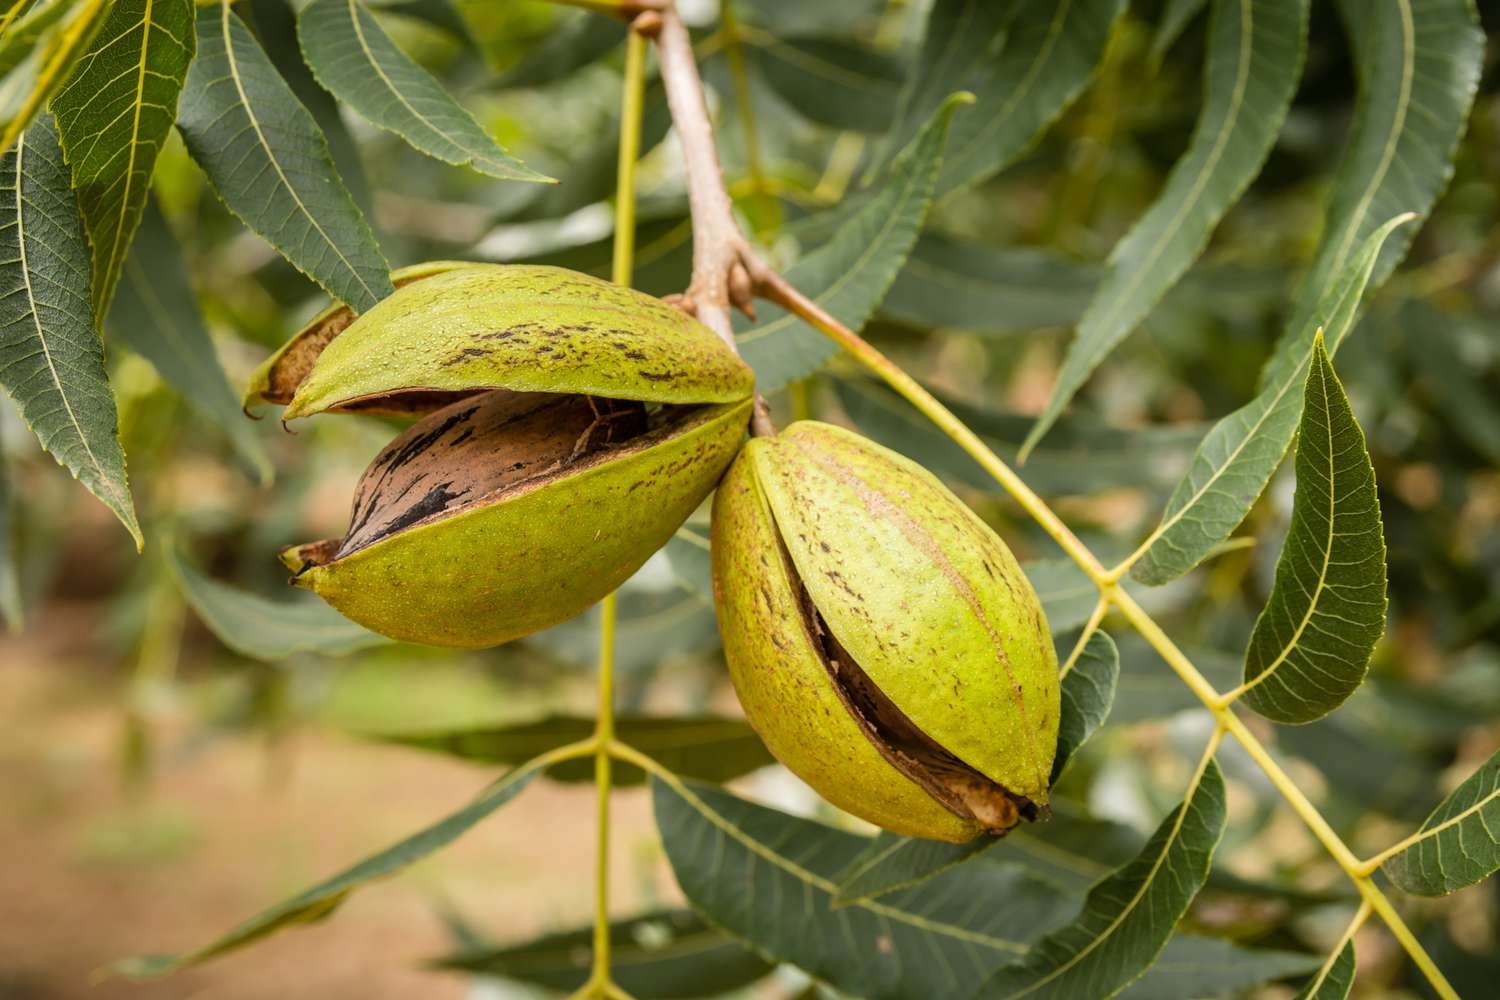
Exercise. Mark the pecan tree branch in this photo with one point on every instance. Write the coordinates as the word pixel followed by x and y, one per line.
pixel 726 270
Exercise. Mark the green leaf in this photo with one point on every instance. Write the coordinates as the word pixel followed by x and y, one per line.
pixel 353 57
pixel 321 900
pixel 668 954
pixel 10 579
pixel 1419 63
pixel 51 360
pixel 582 41
pixel 268 162
pixel 894 862
pixel 832 81
pixel 1080 457
pixel 1334 980
pixel 1067 594
pixel 275 24
pixel 1175 18
pixel 1238 456
pixel 1312 643
pixel 1255 52
pixel 1459 845
pixel 769 879
pixel 36 56
pixel 1127 918
pixel 1088 691
pixel 950 282
pixel 268 630
pixel 1452 383
pixel 849 275
pixel 1025 62
pixel 113 114
pixel 708 748
pixel 155 313
pixel 1196 966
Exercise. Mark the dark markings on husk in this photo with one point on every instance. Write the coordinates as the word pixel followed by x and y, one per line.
pixel 487 447
pixel 958 787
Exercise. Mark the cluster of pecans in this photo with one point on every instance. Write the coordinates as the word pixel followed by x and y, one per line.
pixel 882 639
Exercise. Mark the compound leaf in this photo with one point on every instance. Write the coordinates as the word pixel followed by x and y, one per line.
pixel 1312 643
pixel 353 57
pixel 266 158
pixel 1419 63
pixel 113 114
pixel 51 358
pixel 1255 52
pixel 1238 455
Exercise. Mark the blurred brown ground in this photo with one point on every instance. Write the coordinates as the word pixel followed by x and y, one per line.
pixel 88 876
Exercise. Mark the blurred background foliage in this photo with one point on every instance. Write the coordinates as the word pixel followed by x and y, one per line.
pixel 982 312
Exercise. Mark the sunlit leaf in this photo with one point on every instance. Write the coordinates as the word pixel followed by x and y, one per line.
pixel 669 954
pixel 36 55
pixel 1088 691
pixel 1460 841
pixel 1127 918
pixel 833 81
pixel 849 275
pixel 938 939
pixel 1047 53
pixel 708 747
pixel 266 159
pixel 51 359
pixel 322 899
pixel 1237 457
pixel 355 59
pixel 1196 966
pixel 1334 980
pixel 1255 54
pixel 113 115
pixel 1312 644
pixel 268 630
pixel 155 313
pixel 1419 63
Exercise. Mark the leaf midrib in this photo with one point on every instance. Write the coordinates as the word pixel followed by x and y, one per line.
pixel 1146 884
pixel 36 319
pixel 1312 607
pixel 234 74
pixel 827 886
